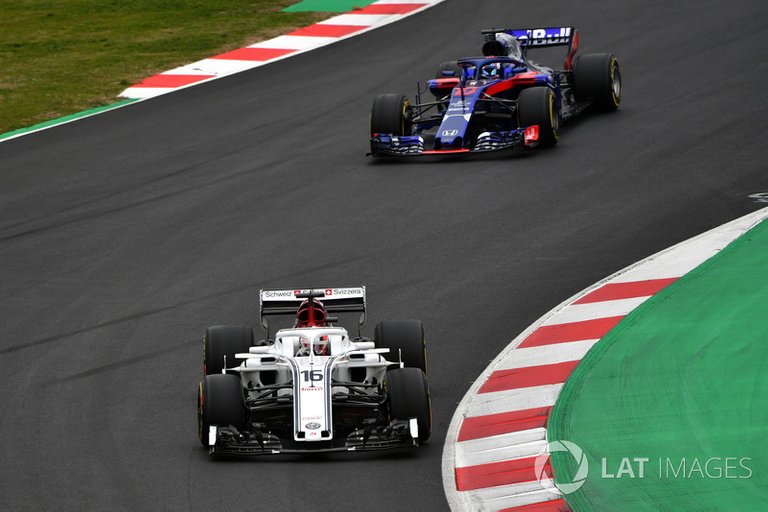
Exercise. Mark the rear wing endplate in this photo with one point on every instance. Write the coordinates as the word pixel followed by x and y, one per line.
pixel 335 300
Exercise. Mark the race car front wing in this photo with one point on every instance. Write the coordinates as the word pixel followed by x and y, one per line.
pixel 227 440
pixel 388 145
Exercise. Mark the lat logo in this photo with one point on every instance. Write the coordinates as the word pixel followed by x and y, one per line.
pixel 542 467
pixel 450 133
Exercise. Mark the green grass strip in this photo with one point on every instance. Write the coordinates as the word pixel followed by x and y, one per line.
pixel 682 383
pixel 64 56
pixel 327 5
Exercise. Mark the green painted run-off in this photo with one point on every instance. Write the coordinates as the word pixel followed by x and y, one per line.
pixel 61 120
pixel 328 5
pixel 682 382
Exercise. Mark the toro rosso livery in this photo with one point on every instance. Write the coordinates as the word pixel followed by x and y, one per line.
pixel 313 387
pixel 502 100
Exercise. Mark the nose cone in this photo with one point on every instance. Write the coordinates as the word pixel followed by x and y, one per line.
pixel 451 142
pixel 452 131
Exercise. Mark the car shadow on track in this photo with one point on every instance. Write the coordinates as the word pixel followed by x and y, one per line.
pixel 455 158
pixel 325 458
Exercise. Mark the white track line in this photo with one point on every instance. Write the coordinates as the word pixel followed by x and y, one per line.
pixel 358 20
pixel 513 400
pixel 499 448
pixel 295 42
pixel 515 495
pixel 215 67
pixel 547 354
pixel 581 312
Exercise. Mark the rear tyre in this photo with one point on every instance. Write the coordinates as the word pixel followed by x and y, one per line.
pixel 408 397
pixel 596 76
pixel 538 105
pixel 391 113
pixel 450 65
pixel 403 338
pixel 220 403
pixel 222 341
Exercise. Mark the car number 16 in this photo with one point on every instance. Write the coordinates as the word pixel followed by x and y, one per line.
pixel 312 376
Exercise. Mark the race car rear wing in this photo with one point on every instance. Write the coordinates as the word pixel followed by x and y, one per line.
pixel 529 37
pixel 335 300
pixel 541 38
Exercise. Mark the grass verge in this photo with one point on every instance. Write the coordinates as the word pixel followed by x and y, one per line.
pixel 62 56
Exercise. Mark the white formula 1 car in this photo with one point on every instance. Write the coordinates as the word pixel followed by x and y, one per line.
pixel 313 387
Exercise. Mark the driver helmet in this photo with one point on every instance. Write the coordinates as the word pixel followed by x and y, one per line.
pixel 321 346
pixel 491 71
pixel 311 313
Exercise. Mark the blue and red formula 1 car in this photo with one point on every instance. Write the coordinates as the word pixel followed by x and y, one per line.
pixel 500 101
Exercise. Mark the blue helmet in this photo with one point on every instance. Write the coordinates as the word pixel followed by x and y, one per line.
pixel 491 71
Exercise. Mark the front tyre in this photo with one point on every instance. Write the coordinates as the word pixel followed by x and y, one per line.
pixel 405 340
pixel 597 76
pixel 408 397
pixel 222 342
pixel 391 114
pixel 220 403
pixel 538 105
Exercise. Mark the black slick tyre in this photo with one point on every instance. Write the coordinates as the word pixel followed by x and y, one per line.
pixel 538 105
pixel 403 338
pixel 597 77
pixel 222 341
pixel 408 397
pixel 391 114
pixel 220 403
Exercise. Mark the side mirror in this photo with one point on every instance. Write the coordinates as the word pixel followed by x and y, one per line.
pixel 448 72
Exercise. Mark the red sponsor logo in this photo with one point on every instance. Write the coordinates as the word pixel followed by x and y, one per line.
pixel 328 291
pixel 467 91
pixel 532 134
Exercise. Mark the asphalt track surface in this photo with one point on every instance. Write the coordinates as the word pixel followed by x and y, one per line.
pixel 124 235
